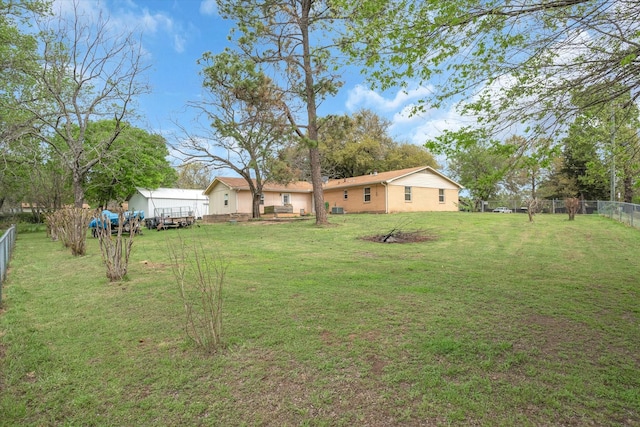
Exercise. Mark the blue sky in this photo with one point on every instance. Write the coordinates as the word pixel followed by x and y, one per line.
pixel 175 34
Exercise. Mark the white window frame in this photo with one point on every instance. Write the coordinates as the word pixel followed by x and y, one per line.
pixel 441 197
pixel 366 191
pixel 408 193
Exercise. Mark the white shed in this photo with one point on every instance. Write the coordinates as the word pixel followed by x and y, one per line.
pixel 162 198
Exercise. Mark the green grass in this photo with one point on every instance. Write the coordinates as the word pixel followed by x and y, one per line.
pixel 494 321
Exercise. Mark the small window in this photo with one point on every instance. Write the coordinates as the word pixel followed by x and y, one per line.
pixel 346 196
pixel 226 199
pixel 367 194
pixel 262 199
pixel 286 199
pixel 407 194
pixel 441 195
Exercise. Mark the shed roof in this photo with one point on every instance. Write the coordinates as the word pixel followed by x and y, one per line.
pixel 172 193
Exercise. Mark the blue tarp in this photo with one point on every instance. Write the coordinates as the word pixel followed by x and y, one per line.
pixel 113 218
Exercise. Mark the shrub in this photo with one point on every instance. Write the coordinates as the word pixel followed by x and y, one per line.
pixel 116 249
pixel 69 225
pixel 200 277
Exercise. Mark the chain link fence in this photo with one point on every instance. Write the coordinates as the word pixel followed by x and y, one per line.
pixel 544 206
pixel 627 213
pixel 7 242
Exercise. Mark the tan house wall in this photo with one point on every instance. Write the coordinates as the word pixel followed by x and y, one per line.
pixel 422 199
pixel 243 203
pixel 216 201
pixel 354 203
pixel 425 193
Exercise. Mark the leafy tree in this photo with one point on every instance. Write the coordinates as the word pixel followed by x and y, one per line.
pixel 405 155
pixel 557 184
pixel 292 40
pixel 18 59
pixel 136 159
pixel 479 163
pixel 583 164
pixel 194 176
pixel 86 74
pixel 601 148
pixel 509 62
pixel 527 167
pixel 248 122
pixel 360 144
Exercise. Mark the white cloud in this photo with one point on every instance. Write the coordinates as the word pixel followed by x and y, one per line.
pixel 361 97
pixel 208 7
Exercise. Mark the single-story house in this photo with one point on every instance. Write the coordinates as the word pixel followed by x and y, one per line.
pixel 232 196
pixel 416 189
pixel 169 198
pixel 407 190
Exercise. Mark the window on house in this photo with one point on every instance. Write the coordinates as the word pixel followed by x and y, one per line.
pixel 407 194
pixel 367 194
pixel 226 199
pixel 286 199
pixel 262 199
pixel 346 196
pixel 441 195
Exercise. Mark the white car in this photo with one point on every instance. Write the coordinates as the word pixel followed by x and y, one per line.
pixel 502 209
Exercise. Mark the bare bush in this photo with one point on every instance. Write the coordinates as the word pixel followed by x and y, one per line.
pixel 572 204
pixel 116 244
pixel 533 207
pixel 200 277
pixel 69 226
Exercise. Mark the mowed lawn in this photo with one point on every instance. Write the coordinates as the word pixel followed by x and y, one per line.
pixel 492 321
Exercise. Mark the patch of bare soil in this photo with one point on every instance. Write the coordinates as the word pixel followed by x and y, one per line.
pixel 401 237
pixel 278 393
pixel 155 265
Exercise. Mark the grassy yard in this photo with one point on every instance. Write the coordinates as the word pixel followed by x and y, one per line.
pixel 493 321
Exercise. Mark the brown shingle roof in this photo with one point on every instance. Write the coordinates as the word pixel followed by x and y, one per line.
pixel 241 184
pixel 382 177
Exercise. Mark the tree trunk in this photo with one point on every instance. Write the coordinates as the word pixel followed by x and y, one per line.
pixel 78 190
pixel 316 182
pixel 256 205
pixel 312 116
pixel 628 188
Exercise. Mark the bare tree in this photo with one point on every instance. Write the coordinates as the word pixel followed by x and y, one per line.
pixel 293 39
pixel 247 123
pixel 87 73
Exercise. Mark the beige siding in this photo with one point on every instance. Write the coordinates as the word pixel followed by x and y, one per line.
pixel 298 200
pixel 216 201
pixel 422 199
pixel 354 202
pixel 425 179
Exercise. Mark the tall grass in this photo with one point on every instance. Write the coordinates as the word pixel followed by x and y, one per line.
pixel 494 321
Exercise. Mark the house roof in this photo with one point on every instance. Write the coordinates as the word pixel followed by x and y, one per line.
pixel 241 184
pixel 383 177
pixel 172 193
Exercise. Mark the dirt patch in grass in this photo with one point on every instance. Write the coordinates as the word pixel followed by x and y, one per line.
pixel 401 237
pixel 155 265
pixel 292 393
pixel 554 336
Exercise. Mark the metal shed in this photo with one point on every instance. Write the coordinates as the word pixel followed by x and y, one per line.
pixel 150 201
